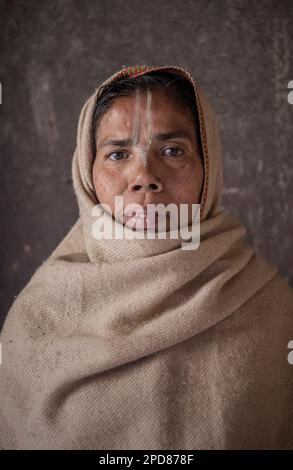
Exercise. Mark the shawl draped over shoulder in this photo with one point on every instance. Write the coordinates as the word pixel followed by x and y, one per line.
pixel 138 344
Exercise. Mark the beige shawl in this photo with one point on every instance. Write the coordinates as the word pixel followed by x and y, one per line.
pixel 138 344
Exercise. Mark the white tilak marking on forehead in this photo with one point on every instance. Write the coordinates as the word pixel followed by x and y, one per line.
pixel 143 149
pixel 149 117
pixel 135 135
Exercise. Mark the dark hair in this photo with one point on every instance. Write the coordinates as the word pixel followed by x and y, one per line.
pixel 177 87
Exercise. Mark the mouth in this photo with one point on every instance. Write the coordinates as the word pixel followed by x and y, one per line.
pixel 142 218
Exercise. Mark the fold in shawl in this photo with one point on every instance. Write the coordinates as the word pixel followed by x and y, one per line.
pixel 138 344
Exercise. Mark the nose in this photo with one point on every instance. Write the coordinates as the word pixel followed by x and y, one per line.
pixel 145 181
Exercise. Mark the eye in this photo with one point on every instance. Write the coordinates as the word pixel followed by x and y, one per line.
pixel 119 156
pixel 172 151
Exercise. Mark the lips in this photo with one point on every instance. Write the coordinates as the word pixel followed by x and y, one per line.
pixel 142 217
pixel 138 214
pixel 140 211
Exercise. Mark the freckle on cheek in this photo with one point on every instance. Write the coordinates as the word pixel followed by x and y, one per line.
pixel 106 186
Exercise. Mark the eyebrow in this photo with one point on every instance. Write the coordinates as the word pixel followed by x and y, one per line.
pixel 158 137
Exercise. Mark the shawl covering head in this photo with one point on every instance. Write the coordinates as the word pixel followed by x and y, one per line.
pixel 138 344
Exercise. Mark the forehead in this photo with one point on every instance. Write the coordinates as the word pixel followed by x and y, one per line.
pixel 166 114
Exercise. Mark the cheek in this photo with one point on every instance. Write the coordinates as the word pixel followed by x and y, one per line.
pixel 106 184
pixel 186 183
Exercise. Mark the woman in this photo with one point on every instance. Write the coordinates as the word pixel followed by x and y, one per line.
pixel 136 343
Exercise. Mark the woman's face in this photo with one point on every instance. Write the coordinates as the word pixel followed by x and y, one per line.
pixel 147 152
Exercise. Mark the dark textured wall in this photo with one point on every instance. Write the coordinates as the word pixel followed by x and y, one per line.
pixel 54 53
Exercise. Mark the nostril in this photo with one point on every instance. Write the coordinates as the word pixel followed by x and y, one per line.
pixel 153 186
pixel 150 187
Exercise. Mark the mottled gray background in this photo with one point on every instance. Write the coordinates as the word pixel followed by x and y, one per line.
pixel 53 55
